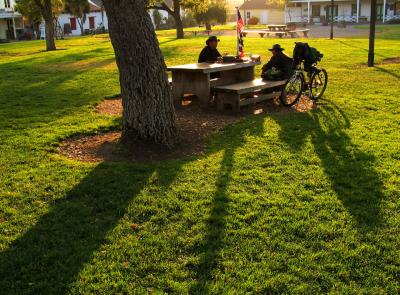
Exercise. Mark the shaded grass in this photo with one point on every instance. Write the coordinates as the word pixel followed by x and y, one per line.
pixel 280 203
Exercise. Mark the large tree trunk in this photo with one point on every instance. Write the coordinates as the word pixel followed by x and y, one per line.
pixel 49 28
pixel 47 14
pixel 178 20
pixel 148 111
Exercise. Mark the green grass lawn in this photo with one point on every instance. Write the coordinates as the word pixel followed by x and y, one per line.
pixel 302 203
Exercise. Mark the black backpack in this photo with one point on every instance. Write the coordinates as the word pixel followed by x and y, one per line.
pixel 303 52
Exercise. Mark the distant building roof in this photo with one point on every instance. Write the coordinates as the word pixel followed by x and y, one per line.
pixel 258 4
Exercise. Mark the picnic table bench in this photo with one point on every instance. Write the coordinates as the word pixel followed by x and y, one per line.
pixel 295 33
pixel 208 32
pixel 237 95
pixel 197 79
pixel 262 33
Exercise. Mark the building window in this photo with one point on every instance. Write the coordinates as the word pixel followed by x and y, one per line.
pixel 354 10
pixel 248 15
pixel 316 10
pixel 7 4
pixel 91 22
pixel 72 22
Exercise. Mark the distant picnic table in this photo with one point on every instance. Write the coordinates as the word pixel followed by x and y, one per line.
pixel 281 28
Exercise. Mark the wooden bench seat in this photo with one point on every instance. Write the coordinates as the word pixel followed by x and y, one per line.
pixel 262 33
pixel 237 95
pixel 295 33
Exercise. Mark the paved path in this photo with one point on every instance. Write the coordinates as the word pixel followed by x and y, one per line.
pixel 316 31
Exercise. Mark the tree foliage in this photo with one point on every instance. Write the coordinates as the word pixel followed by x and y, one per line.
pixel 215 13
pixel 78 8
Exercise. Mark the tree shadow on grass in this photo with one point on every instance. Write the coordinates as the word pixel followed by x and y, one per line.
pixel 350 170
pixel 210 261
pixel 49 256
pixel 386 71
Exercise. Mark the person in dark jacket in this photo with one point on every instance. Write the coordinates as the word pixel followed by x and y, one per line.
pixel 280 65
pixel 210 53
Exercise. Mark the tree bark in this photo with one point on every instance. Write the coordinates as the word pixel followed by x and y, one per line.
pixel 148 111
pixel 47 14
pixel 49 28
pixel 178 20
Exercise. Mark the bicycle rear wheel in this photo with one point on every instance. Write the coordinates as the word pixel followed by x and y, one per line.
pixel 318 83
pixel 292 91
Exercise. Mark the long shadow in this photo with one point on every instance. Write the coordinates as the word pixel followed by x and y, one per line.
pixel 350 44
pixel 349 169
pixel 216 222
pixel 50 255
pixel 386 71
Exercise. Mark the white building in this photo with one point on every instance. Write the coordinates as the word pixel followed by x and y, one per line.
pixel 95 19
pixel 317 11
pixel 11 23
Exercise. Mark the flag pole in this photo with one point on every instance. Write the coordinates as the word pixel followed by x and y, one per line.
pixel 237 31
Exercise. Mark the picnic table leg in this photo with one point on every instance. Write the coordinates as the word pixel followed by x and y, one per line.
pixel 191 83
pixel 178 82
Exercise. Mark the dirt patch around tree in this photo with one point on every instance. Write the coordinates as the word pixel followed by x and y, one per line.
pixel 391 60
pixel 194 124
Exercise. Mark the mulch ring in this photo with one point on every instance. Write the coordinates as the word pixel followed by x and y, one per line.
pixel 391 60
pixel 194 124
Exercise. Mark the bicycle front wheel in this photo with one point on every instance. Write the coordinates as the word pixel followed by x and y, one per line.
pixel 292 91
pixel 318 83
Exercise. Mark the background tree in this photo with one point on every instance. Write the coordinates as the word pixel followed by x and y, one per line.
pixel 148 111
pixel 46 10
pixel 174 9
pixel 79 9
pixel 29 9
pixel 157 18
pixel 215 13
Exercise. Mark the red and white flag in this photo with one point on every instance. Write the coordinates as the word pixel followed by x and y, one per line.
pixel 240 29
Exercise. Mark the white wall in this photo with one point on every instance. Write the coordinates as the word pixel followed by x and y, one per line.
pixel 344 10
pixel 65 19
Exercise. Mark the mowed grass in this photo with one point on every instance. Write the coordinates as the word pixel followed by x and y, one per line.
pixel 299 203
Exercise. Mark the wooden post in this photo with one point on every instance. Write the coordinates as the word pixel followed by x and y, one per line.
pixel 384 11
pixel 331 35
pixel 15 30
pixel 372 34
pixel 358 11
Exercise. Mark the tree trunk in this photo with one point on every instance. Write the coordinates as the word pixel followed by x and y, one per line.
pixel 36 27
pixel 47 14
pixel 49 28
pixel 81 21
pixel 208 26
pixel 178 20
pixel 148 111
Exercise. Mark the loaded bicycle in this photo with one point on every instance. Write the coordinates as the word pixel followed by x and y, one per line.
pixel 307 78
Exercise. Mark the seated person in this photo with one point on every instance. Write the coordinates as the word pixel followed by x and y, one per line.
pixel 279 67
pixel 210 53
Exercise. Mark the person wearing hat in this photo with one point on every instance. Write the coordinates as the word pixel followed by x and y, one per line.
pixel 210 52
pixel 280 65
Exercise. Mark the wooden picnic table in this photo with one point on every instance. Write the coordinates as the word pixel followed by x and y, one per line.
pixel 195 78
pixel 277 27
